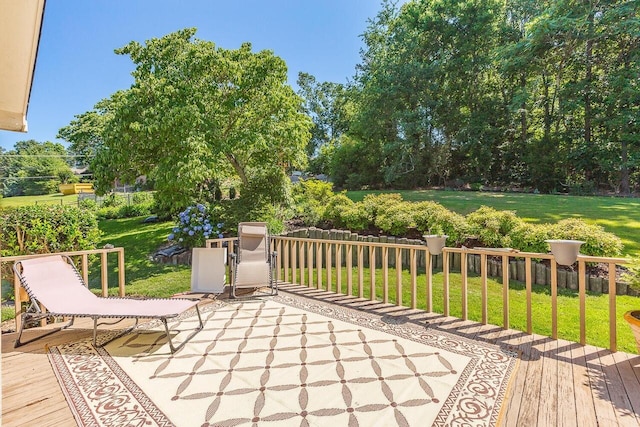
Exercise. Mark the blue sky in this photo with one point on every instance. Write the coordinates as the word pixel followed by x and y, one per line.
pixel 76 66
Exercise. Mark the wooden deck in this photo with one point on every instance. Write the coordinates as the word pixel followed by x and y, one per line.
pixel 557 383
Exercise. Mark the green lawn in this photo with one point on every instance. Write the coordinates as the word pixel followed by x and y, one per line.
pixel 50 199
pixel 143 276
pixel 620 216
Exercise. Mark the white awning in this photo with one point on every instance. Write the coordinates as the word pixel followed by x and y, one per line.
pixel 20 23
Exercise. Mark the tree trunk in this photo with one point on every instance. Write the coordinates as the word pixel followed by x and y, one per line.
pixel 238 168
pixel 624 169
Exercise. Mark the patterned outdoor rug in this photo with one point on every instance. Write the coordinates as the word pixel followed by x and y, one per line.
pixel 286 360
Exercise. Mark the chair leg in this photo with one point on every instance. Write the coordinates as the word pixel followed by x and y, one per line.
pixel 121 333
pixel 198 329
pixel 29 318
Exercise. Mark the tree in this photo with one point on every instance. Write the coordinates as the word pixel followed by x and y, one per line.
pixel 330 107
pixel 196 114
pixel 34 168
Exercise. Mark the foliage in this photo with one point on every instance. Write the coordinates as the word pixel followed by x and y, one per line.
pixel 597 241
pixel 311 198
pixel 194 227
pixel 530 237
pixel 330 106
pixel 195 115
pixel 34 168
pixel 433 218
pixel 518 93
pixel 397 220
pixel 336 208
pixel 493 228
pixel 40 229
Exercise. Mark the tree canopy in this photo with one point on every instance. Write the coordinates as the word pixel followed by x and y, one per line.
pixel 196 114
pixel 34 168
pixel 542 94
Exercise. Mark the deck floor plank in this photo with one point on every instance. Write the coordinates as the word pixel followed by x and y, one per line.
pixel 591 386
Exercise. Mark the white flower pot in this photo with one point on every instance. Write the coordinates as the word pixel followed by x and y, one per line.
pixel 435 242
pixel 565 251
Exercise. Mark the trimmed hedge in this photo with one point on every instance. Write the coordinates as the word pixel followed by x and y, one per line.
pixel 38 229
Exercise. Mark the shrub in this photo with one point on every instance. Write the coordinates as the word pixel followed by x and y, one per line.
pixel 493 227
pixel 88 204
pixel 335 208
pixel 354 217
pixel 112 199
pixel 38 229
pixel 311 197
pixel 129 211
pixel 396 218
pixel 194 227
pixel 108 212
pixel 142 198
pixel 597 241
pixel 377 203
pixel 530 237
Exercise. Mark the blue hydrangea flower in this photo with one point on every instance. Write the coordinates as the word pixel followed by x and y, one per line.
pixel 171 236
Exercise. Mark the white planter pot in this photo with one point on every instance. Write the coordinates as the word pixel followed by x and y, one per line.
pixel 565 251
pixel 435 242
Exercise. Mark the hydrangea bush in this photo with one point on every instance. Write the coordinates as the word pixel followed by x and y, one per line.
pixel 195 227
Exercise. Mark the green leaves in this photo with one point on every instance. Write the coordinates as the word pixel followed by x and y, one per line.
pixel 195 114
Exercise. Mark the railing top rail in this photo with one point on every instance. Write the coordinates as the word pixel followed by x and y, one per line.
pixel 488 251
pixel 69 253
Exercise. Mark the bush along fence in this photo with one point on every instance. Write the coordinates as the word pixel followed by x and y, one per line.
pixel 540 271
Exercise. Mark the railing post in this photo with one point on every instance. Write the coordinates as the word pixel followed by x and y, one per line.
pixel 310 262
pixel 339 268
pixel 613 335
pixel 554 299
pixel 399 276
pixel 327 257
pixel 445 282
pixel 286 249
pixel 582 300
pixel 484 284
pixel 301 249
pixel 349 269
pixel 414 278
pixel 463 278
pixel 372 273
pixel 360 270
pixel 385 275
pixel 104 276
pixel 428 265
pixel 505 291
pixel 319 264
pixel 528 282
pixel 121 278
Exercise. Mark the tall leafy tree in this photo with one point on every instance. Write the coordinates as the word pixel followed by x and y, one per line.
pixel 330 107
pixel 196 114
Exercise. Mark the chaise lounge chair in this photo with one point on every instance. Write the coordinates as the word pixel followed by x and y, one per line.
pixel 253 264
pixel 54 282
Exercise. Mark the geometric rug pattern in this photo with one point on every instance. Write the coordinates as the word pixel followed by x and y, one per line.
pixel 286 360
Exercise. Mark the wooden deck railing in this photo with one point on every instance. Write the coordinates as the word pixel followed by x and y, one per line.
pixel 20 294
pixel 319 262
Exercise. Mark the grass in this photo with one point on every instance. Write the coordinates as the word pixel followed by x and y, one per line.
pixel 143 276
pixel 49 199
pixel 620 216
